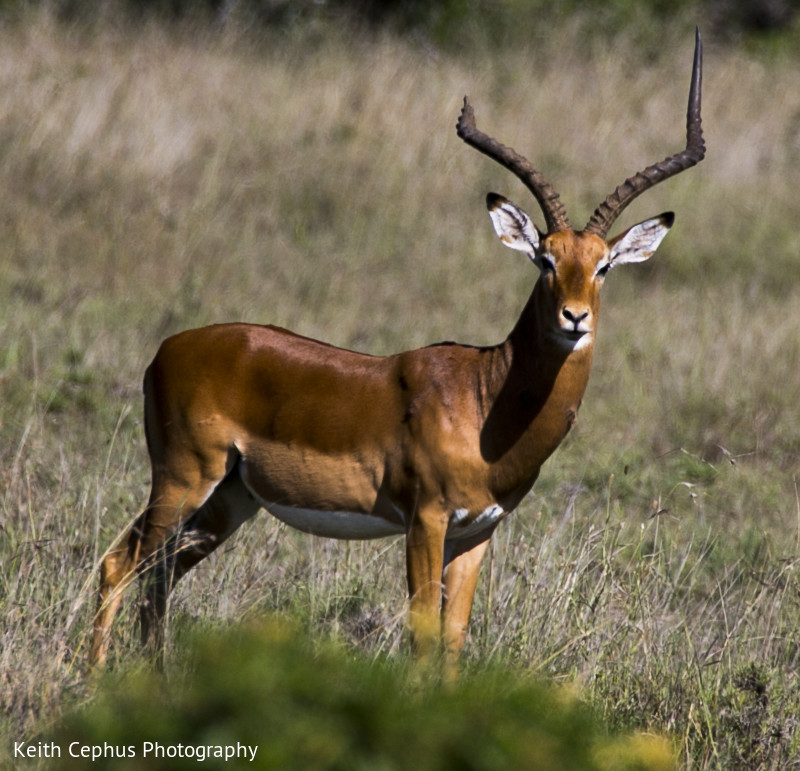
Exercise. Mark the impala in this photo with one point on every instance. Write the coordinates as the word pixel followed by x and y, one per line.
pixel 437 444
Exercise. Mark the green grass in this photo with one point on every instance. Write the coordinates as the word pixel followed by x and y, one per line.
pixel 157 180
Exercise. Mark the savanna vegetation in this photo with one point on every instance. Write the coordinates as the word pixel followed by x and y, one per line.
pixel 165 169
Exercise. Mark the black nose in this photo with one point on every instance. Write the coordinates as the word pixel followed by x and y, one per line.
pixel 570 316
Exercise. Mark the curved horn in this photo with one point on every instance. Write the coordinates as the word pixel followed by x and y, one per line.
pixel 554 212
pixel 608 211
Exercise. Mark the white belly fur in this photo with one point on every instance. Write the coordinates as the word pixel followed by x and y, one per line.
pixel 335 524
pixel 356 526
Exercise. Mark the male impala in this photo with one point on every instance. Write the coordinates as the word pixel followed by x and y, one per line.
pixel 438 444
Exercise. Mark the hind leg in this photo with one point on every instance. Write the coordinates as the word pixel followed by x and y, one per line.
pixel 173 499
pixel 227 508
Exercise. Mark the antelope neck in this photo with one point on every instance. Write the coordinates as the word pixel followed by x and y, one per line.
pixel 538 384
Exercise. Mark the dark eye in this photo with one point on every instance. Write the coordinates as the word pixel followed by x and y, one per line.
pixel 547 263
pixel 601 271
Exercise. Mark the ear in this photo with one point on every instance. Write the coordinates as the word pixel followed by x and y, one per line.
pixel 512 224
pixel 638 243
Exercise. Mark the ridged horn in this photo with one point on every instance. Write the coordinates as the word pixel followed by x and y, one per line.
pixel 554 212
pixel 608 211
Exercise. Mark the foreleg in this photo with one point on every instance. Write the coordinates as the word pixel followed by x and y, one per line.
pixel 461 570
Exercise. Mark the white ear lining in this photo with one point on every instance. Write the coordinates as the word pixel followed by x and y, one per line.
pixel 513 226
pixel 640 242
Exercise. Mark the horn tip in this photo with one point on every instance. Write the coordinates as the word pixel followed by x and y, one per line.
pixel 466 119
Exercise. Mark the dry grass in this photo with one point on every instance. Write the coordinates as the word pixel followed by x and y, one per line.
pixel 156 181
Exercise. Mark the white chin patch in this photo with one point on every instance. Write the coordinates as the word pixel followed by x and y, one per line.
pixel 572 341
pixel 583 341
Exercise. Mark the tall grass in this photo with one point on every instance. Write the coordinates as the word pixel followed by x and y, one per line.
pixel 160 179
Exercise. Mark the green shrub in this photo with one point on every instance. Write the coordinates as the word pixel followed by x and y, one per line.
pixel 306 707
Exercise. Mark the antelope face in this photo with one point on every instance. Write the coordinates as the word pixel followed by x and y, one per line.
pixel 573 268
pixel 573 265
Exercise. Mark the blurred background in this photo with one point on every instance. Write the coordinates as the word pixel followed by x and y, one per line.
pixel 174 164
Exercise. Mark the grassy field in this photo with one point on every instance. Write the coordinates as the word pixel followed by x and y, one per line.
pixel 157 180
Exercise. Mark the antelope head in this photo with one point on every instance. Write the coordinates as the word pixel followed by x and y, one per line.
pixel 574 263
